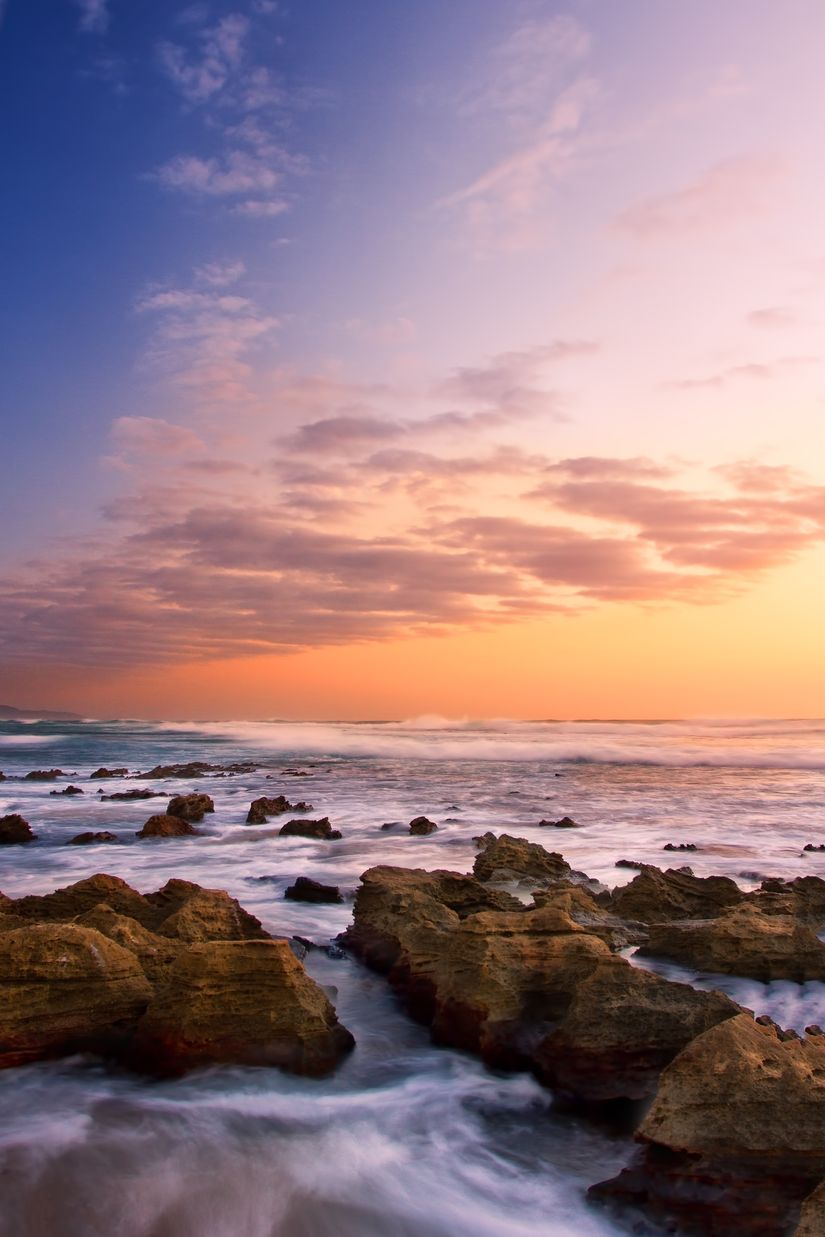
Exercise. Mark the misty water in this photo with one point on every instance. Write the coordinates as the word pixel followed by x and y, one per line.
pixel 405 1140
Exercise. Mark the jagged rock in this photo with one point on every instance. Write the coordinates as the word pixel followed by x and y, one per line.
pixel 261 809
pixel 155 953
pixel 240 1002
pixel 680 846
pixel 524 988
pixel 210 915
pixel 655 896
pixel 64 989
pixel 307 890
pixel 192 807
pixel 100 774
pixel 197 768
pixel 310 829
pixel 581 906
pixel 810 846
pixel 742 941
pixel 420 826
pixel 127 796
pixel 166 826
pixel 44 775
pixel 566 822
pixel 735 1137
pixel 803 897
pixel 506 858
pixel 633 864
pixel 67 790
pixel 14 830
pixel 89 838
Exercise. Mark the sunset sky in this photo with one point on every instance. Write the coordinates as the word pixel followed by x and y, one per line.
pixel 372 358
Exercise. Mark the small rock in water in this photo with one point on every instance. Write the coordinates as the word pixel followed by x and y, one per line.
pixel 420 826
pixel 632 863
pixel 191 807
pixel 126 796
pixel 87 839
pixel 810 846
pixel 391 824
pixel 163 826
pixel 104 772
pixel 680 846
pixel 261 809
pixel 310 829
pixel 307 890
pixel 44 775
pixel 566 822
pixel 68 790
pixel 14 831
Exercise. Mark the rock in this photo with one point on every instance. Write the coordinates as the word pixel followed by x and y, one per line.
pixel 742 941
pixel 390 824
pixel 192 807
pixel 507 859
pixel 812 1215
pixel 310 829
pixel 76 899
pixel 524 988
pixel 810 846
pixel 655 896
pixel 735 1137
pixel 2 776
pixel 581 906
pixel 261 809
pixel 68 790
pixel 566 822
pixel 89 838
pixel 209 915
pixel 197 768
pixel 240 1002
pixel 680 846
pixel 127 796
pixel 420 826
pixel 307 890
pixel 100 774
pixel 44 775
pixel 14 831
pixel 154 953
pixel 803 897
pixel 165 826
pixel 633 864
pixel 65 989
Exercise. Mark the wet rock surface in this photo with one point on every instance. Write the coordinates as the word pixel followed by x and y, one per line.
pixel 320 829
pixel 655 896
pixel 164 825
pixel 191 807
pixel 15 830
pixel 261 809
pixel 306 889
pixel 421 826
pixel 90 838
pixel 506 858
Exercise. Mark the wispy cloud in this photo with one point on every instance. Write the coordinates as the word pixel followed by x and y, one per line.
pixel 201 72
pixel 726 194
pixel 759 371
pixel 94 15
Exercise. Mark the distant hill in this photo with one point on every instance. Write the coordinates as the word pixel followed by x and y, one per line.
pixel 8 714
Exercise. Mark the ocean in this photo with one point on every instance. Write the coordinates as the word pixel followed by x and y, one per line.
pixel 405 1140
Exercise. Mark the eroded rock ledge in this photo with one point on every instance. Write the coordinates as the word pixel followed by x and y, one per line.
pixel 179 978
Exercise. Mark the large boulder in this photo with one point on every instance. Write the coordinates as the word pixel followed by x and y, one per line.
pixel 743 940
pixel 163 825
pixel 15 831
pixel 321 829
pixel 524 988
pixel 735 1137
pixel 655 896
pixel 76 899
pixel 210 915
pixel 66 988
pixel 240 1002
pixel 192 807
pixel 421 826
pixel 506 858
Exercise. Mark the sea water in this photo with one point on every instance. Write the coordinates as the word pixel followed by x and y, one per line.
pixel 405 1140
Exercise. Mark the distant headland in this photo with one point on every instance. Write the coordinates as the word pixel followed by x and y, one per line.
pixel 9 714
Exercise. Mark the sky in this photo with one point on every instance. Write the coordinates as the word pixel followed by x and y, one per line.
pixel 373 359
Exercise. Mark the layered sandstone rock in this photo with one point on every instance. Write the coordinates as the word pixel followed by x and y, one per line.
pixel 735 1137
pixel 506 858
pixel 655 896
pixel 243 1002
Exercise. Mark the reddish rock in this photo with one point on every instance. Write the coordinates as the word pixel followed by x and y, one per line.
pixel 506 858
pixel 261 809
pixel 154 953
pixel 76 899
pixel 192 807
pixel 420 826
pixel 655 896
pixel 240 1002
pixel 166 826
pixel 15 831
pixel 209 915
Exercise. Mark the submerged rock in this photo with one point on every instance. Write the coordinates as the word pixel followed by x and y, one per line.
pixel 307 890
pixel 310 829
pixel 192 807
pixel 166 826
pixel 127 796
pixel 44 775
pixel 680 846
pixel 566 822
pixel 240 1002
pixel 89 838
pixel 735 1137
pixel 261 809
pixel 63 989
pixel 15 831
pixel 197 768
pixel 100 774
pixel 68 790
